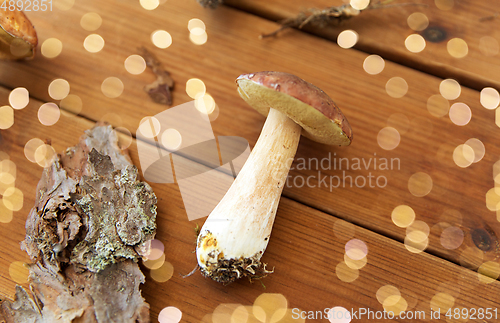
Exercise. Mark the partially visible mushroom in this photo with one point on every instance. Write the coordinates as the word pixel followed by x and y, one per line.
pixel 18 37
pixel 92 222
pixel 236 233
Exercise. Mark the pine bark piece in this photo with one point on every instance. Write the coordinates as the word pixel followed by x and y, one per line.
pixel 91 223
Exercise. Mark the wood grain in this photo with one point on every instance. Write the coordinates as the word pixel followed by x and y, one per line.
pixel 383 31
pixel 308 212
pixel 427 142
pixel 305 249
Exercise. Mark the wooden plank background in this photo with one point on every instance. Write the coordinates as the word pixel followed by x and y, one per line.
pixel 305 249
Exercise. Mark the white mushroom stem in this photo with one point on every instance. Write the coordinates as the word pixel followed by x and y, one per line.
pixel 236 233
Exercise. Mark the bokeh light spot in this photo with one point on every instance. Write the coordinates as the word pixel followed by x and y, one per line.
pixel 452 238
pixel 442 302
pixel 339 314
pixel 91 21
pixel 45 155
pixel 420 184
pixel 161 39
pixel 387 291
pixel 463 156
pixel 489 46
pixel 205 103
pixel 460 114
pixel 415 247
pixel 396 87
pixel 112 87
pixel 18 272
pixel 19 98
pixel 71 105
pixel 347 39
pixel 240 314
pixel 135 64
pixel 493 199
pixel 395 305
pixel 345 273
pixel 438 106
pixel 49 114
pixel 170 314
pixel 471 258
pixel 30 147
pixel 356 249
pixel 457 48
pixel 6 214
pixel 478 148
pixel 171 139
pixel 403 216
pixel 415 43
pixel 195 88
pixel 359 4
pixel 8 171
pixel 417 21
pixel 444 4
pixel 488 272
pixel 198 36
pixel 418 232
pixel 196 23
pixel 450 89
pixel 64 5
pixel 13 198
pixel 6 117
pixel 388 138
pixel 373 64
pixel 93 43
pixel 154 264
pixel 149 4
pixel 399 121
pixel 51 47
pixel 59 89
pixel 149 127
pixel 489 98
pixel 355 264
pixel 155 249
pixel 343 230
pixel 112 118
pixel 125 137
pixel 164 273
pixel 270 307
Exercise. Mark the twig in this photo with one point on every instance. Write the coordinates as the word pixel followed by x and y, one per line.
pixel 322 17
pixel 489 18
pixel 192 271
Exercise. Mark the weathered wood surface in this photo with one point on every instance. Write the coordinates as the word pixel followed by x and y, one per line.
pixel 383 31
pixel 305 248
pixel 457 197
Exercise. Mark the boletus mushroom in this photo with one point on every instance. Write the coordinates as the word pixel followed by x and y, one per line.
pixel 235 235
pixel 18 37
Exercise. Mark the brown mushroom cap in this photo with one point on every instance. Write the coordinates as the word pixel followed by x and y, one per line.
pixel 18 37
pixel 306 104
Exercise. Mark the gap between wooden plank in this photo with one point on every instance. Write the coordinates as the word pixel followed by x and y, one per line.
pixel 290 197
pixel 330 32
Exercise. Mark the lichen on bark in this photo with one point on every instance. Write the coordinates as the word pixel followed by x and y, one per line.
pixel 91 223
